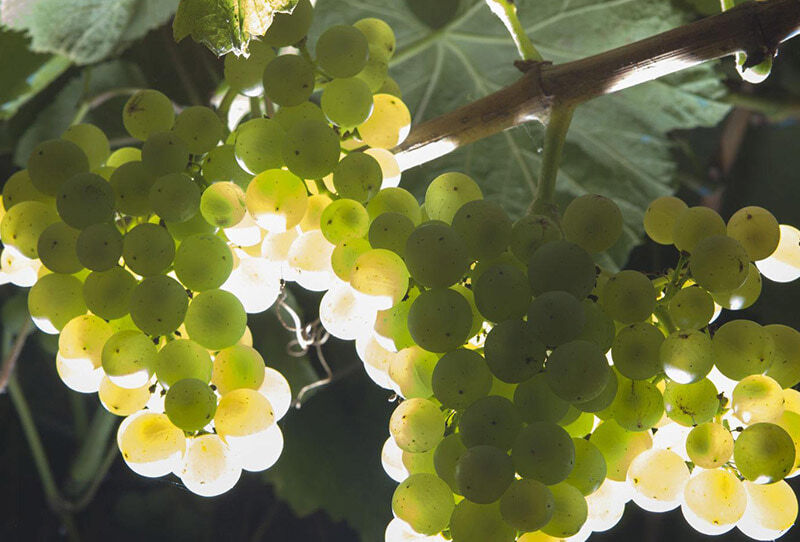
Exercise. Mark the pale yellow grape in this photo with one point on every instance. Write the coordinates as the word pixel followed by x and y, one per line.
pixel 345 314
pixel 276 199
pixel 261 452
pixel 122 401
pixel 791 400
pixel 237 366
pixel 209 467
pixel 243 412
pixel 275 246
pixel 389 123
pixel 660 216
pixel 150 445
pixel 79 374
pixel 757 398
pixel 709 445
pixel 417 425
pixel 412 370
pixel 23 224
pixel 606 506
pixel 756 229
pixel 783 265
pixel 658 478
pixel 447 193
pixel 83 338
pixel 310 258
pixel 381 274
pixel 389 166
pixel 223 204
pixel 256 283
pixel 714 500
pixel 790 422
pixel 246 233
pixel 313 215
pixel 771 510
pixel 694 224
pixel 276 388
pixel 18 269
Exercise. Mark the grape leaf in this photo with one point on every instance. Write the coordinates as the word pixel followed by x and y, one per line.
pixel 618 145
pixel 85 31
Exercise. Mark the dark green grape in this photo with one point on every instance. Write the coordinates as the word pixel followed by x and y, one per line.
pixel 195 225
pixel 544 451
pixel 92 141
pixel 440 320
pixel 396 200
pixel 390 231
pixel 54 300
pixel 447 193
pixel 289 28
pixel 342 51
pixel 53 162
pixel 785 368
pixel 190 404
pixel 220 166
pixel 473 522
pixel 589 471
pixel 425 502
pixel 389 86
pixel 289 116
pixel 129 358
pixel 491 421
pixel 719 263
pixel 148 249
pixel 258 144
pixel 164 153
pixel 483 473
pixel 19 188
pixel 530 232
pixel 158 305
pixel 99 247
pixel 561 265
pixel 358 176
pixel 485 228
pixel 200 128
pixel 512 352
pixel 435 255
pixel 569 513
pixel 311 149
pixel 244 73
pixel 745 295
pixel 691 404
pixel 691 308
pixel 599 327
pixel 147 112
pixel 687 356
pixel 535 401
pixel 460 378
pixel 85 199
pixel 592 222
pixel 344 219
pixel 638 405
pixel 502 292
pixel 604 400
pixel 556 318
pixel 56 248
pixel 215 319
pixel 131 183
pixel 175 197
pixel 636 351
pixel 346 102
pixel 344 256
pixel 764 453
pixel 628 297
pixel 203 262
pixel 108 293
pixel 742 348
pixel 445 459
pixel 527 505
pixel 694 224
pixel 182 358
pixel 288 80
pixel 577 371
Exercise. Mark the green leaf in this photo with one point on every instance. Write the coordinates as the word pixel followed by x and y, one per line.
pixel 85 31
pixel 618 145
pixel 226 26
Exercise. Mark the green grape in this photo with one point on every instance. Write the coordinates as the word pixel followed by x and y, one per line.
pixel 530 232
pixel 589 471
pixel 277 200
pixel 599 327
pixel 417 425
pixel 502 292
pixel 83 338
pixel 395 200
pixel 638 405
pixel 743 296
pixel 719 263
pixel 592 222
pixel 382 274
pixel 99 247
pixel 660 217
pixel 790 422
pixel 556 318
pixel 460 378
pixel 53 162
pixel 604 400
pixel 380 36
pixel 175 197
pixel 535 401
pixel 158 305
pixel 344 219
pixel 709 445
pixel 491 421
pixel 398 330
pixel 23 225
pixel 56 248
pixel 129 358
pixel 571 415
pixel 131 183
pixel 581 426
pixel 512 352
pixel 215 319
pixel 412 370
pixel 619 447
pixel 569 512
pixel 108 293
pixel 577 371
pixel 691 308
pixel 485 228
pixel 203 262
pixel 92 141
pixel 342 51
pixel 691 404
pixel 628 297
pixel 289 116
pixel 545 452
pixel 238 366
pixel 19 188
pixel 527 505
pixel 695 224
pixel 195 225
pixel 220 165
pixel 375 72
pixel 687 356
pixel 346 102
pixel 290 28
pixel 223 204
pixel 390 231
pixel 447 193
pixel 785 368
pixel 358 176
pixel 258 144
pixel 311 149
pixel 419 463
pixel 190 404
pixel 288 80
pixel 764 453
pixel 756 229
pixel 164 153
pixel 483 473
pixel 561 265
pixel 389 85
pixel 244 73
pixel 148 249
pixel 147 112
pixel 757 398
pixel 445 459
pixel 183 358
pixel 473 522
pixel 742 348
pixel 200 128
pixel 435 255
pixel 439 319
pixel 344 257
pixel 636 351
pixel 123 155
pixel 54 300
pixel 85 199
pixel 425 502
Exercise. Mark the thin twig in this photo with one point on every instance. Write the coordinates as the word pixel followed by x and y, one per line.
pixel 554 138
pixel 11 359
pixel 506 11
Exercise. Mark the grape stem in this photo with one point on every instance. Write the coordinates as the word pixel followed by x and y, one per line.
pixel 753 27
pixel 506 11
pixel 555 136
pixel 10 360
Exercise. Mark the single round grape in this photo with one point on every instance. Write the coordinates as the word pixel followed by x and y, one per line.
pixel 389 85
pixel 638 405
pixel 447 193
pixel 764 453
pixel 358 176
pixel 435 255
pixel 785 368
pixel 569 513
pixel 530 232
pixel 593 222
pixel 215 319
pixel 277 200
pixel 311 149
pixel 660 217
pixel 99 247
pixel 194 226
pixel 460 378
pixel 485 228
pixel 713 501
pixel 344 219
pixel 289 116
pixel 346 102
pixel 220 165
pixel 691 308
pixel 605 399
pixel 108 293
pixel 380 36
pixel 289 28
pixel 390 231
pixel 342 51
pixel 628 297
pixel 85 199
pixel 512 352
pixel 344 257
pixel 719 263
pixel 502 292
pixel 491 421
pixel 183 358
pixel 483 473
pixel 257 145
pixel 742 348
pixel 131 183
pixel 83 338
pixel 687 356
pixel 619 447
pixel 757 398
pixel 636 351
pixel 577 371
pixel 425 502
pixel 164 153
pixel 158 305
pixel 388 125
pixel 223 204
pixel 200 128
pixel 147 112
pixel 527 505
pixel 122 401
pixel 175 197
pixel 691 404
pixel 445 459
pixel 695 224
pixel 54 300
pixel 545 452
pixel 535 401
pixel 745 295
pixel 771 511
pixel 123 155
pixel 190 404
pixel 203 262
pixel 382 274
pixel 589 471
pixel 658 478
pixel 561 265
pixel 92 141
pixel 148 249
pixel 396 200
pixel 556 318
pixel 19 188
pixel 53 162
pixel 709 445
pixel 208 467
pixel 439 320
pixel 56 248
pixel 129 358
pixel 412 370
pixel 242 413
pixel 417 425
pixel 471 522
pixel 756 229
